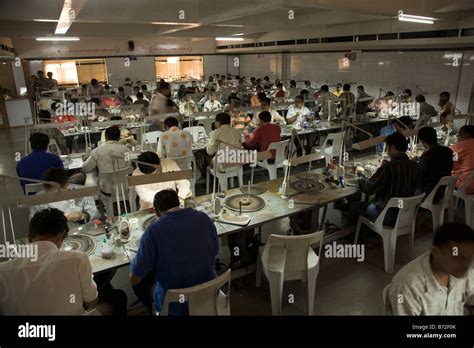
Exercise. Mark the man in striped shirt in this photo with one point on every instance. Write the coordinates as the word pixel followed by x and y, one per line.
pixel 398 177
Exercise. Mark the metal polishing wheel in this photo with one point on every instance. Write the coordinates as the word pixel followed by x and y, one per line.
pixel 149 221
pixel 248 202
pixel 309 176
pixel 308 186
pixel 79 242
pixel 254 190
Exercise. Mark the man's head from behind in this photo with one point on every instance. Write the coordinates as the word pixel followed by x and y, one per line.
pixel 264 117
pixel 406 120
pixel 453 248
pixel 428 136
pixel 39 141
pixel 164 201
pixel 112 133
pixel 222 119
pixel 44 116
pixel 265 103
pixel 150 158
pixel 466 132
pixel 48 225
pixel 164 89
pixel 57 175
pixel 396 144
pixel 171 122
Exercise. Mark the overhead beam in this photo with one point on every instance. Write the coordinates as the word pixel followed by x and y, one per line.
pixel 71 9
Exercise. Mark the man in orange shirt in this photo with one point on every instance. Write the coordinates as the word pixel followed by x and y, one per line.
pixel 464 157
pixel 255 100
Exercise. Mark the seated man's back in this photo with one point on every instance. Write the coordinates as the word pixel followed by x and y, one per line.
pixel 39 160
pixel 181 246
pixel 174 143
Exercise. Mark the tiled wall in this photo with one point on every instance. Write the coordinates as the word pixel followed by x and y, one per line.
pixel 423 72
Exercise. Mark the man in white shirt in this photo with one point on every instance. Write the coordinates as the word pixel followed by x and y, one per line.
pixel 77 211
pixel 223 132
pixel 212 104
pixel 276 117
pixel 55 282
pixel 439 282
pixel 297 112
pixel 327 101
pixel 108 157
pixel 146 193
pixel 174 142
pixel 188 106
pixel 161 104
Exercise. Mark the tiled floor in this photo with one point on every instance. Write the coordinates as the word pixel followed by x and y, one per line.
pixel 344 286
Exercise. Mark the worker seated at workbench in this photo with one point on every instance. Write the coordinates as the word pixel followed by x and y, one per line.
pixel 177 251
pixel 78 211
pixel 146 193
pixel 55 282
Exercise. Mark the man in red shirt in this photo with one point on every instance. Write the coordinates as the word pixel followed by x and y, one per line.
pixel 463 164
pixel 264 135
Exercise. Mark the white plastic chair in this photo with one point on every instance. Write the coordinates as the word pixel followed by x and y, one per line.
pixel 330 151
pixel 223 176
pixel 53 147
pixel 115 179
pixel 203 299
pixel 132 198
pixel 387 307
pixel 460 194
pixel 197 132
pixel 280 155
pixel 289 258
pixel 152 137
pixel 206 124
pixel 437 210
pixel 405 225
pixel 31 189
pixel 185 163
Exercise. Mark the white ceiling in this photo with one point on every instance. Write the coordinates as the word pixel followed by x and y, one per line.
pixel 134 18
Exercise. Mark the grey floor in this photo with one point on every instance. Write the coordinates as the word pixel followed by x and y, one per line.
pixel 344 286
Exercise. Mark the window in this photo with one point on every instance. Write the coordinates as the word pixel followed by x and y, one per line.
pixel 174 68
pixel 73 72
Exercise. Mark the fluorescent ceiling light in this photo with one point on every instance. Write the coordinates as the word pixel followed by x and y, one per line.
pixel 229 25
pixel 57 38
pixel 239 34
pixel 174 23
pixel 46 20
pixel 229 39
pixel 415 19
pixel 69 13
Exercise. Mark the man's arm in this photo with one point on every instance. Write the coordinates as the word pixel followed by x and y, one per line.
pixel 88 285
pixel 144 260
pixel 252 141
pixel 404 301
pixel 375 183
pixel 212 146
pixel 91 163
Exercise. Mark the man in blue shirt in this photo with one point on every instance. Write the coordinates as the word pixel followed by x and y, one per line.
pixel 180 248
pixel 394 127
pixel 38 161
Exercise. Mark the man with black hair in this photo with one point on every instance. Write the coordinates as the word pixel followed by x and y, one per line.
pixel 464 157
pixel 435 162
pixel 161 104
pixel 398 177
pixel 141 100
pixel 52 83
pixel 83 210
pixel 327 101
pixel 338 91
pixel 146 92
pixel 346 98
pixel 108 157
pixel 126 137
pixel 297 112
pixel 292 90
pixel 44 286
pixel 446 109
pixel 174 142
pixel 264 135
pixel 426 111
pixel 38 161
pixel 280 93
pixel 95 89
pixel 276 117
pixel 223 132
pixel 146 193
pixel 180 248
pixel 440 281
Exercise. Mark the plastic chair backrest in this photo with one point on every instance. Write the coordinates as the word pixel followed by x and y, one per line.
pixel 336 139
pixel 33 188
pixel 280 150
pixel 295 249
pixel 407 209
pixel 152 137
pixel 119 177
pixel 185 162
pixel 202 298
pixel 387 307
pixel 466 183
pixel 196 132
pixel 448 182
pixel 132 193
pixel 53 147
